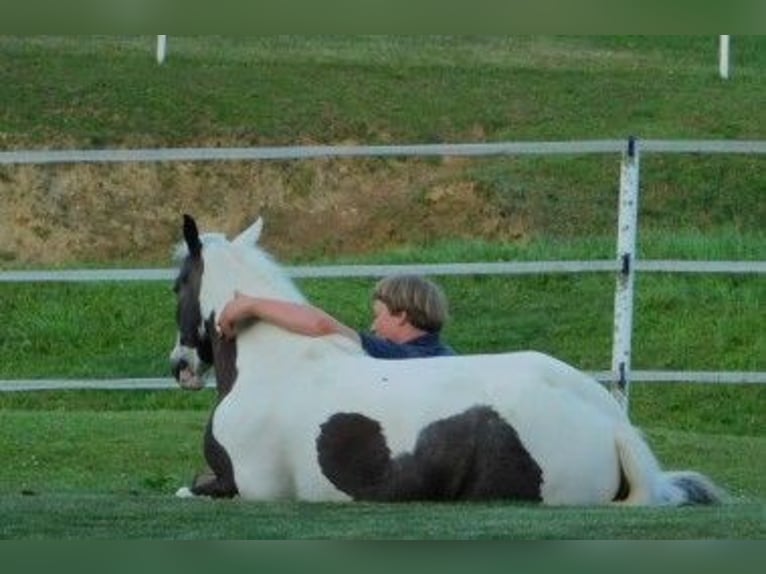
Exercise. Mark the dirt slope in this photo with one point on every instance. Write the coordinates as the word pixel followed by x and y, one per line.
pixel 118 213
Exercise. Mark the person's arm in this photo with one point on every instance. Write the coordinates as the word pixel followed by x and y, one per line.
pixel 295 317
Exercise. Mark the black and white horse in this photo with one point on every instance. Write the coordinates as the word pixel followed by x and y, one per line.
pixel 316 419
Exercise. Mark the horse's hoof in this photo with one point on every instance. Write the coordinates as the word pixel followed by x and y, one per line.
pixel 184 492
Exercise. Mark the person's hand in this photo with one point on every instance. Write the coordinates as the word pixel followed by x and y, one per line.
pixel 233 312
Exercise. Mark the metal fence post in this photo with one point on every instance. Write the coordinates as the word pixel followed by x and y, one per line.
pixel 627 229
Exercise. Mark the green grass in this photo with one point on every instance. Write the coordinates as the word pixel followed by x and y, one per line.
pixel 123 517
pixel 377 89
pixel 681 323
pixel 575 197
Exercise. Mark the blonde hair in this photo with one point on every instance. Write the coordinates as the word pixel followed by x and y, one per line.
pixel 423 300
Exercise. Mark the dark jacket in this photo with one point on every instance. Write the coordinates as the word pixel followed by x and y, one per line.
pixel 428 345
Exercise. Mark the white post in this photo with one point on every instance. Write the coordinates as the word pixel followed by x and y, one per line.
pixel 627 230
pixel 723 56
pixel 162 43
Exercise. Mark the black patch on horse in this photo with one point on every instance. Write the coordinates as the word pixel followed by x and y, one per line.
pixel 188 314
pixel 220 482
pixel 696 491
pixel 224 352
pixel 474 455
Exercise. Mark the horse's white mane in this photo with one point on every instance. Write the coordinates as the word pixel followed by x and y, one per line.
pixel 261 274
pixel 181 250
pixel 264 276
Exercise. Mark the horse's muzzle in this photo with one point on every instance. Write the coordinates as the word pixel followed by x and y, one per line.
pixel 177 367
pixel 185 373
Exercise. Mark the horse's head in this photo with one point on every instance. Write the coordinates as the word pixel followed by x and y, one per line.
pixel 192 355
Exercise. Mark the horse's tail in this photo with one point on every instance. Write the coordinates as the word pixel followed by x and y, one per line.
pixel 695 488
pixel 649 485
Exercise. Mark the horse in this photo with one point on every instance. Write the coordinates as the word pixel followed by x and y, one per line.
pixel 316 419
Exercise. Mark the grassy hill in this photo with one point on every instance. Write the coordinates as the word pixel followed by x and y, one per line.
pixel 103 92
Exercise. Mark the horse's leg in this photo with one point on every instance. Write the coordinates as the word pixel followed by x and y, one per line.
pixel 219 484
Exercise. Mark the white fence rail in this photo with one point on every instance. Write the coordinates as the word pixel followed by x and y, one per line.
pixel 338 271
pixel 625 265
pixel 163 383
pixel 423 150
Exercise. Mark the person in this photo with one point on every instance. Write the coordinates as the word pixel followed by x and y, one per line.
pixel 409 312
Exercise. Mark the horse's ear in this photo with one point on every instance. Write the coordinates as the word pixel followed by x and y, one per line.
pixel 250 236
pixel 191 236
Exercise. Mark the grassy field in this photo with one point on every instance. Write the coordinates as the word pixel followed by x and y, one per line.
pixel 105 464
pixel 126 517
pixel 377 89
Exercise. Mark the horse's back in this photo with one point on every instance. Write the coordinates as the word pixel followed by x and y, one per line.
pixel 455 381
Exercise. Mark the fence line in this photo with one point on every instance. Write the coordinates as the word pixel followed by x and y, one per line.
pixel 167 383
pixel 358 271
pixel 315 152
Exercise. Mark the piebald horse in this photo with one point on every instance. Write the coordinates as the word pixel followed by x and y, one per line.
pixel 315 419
